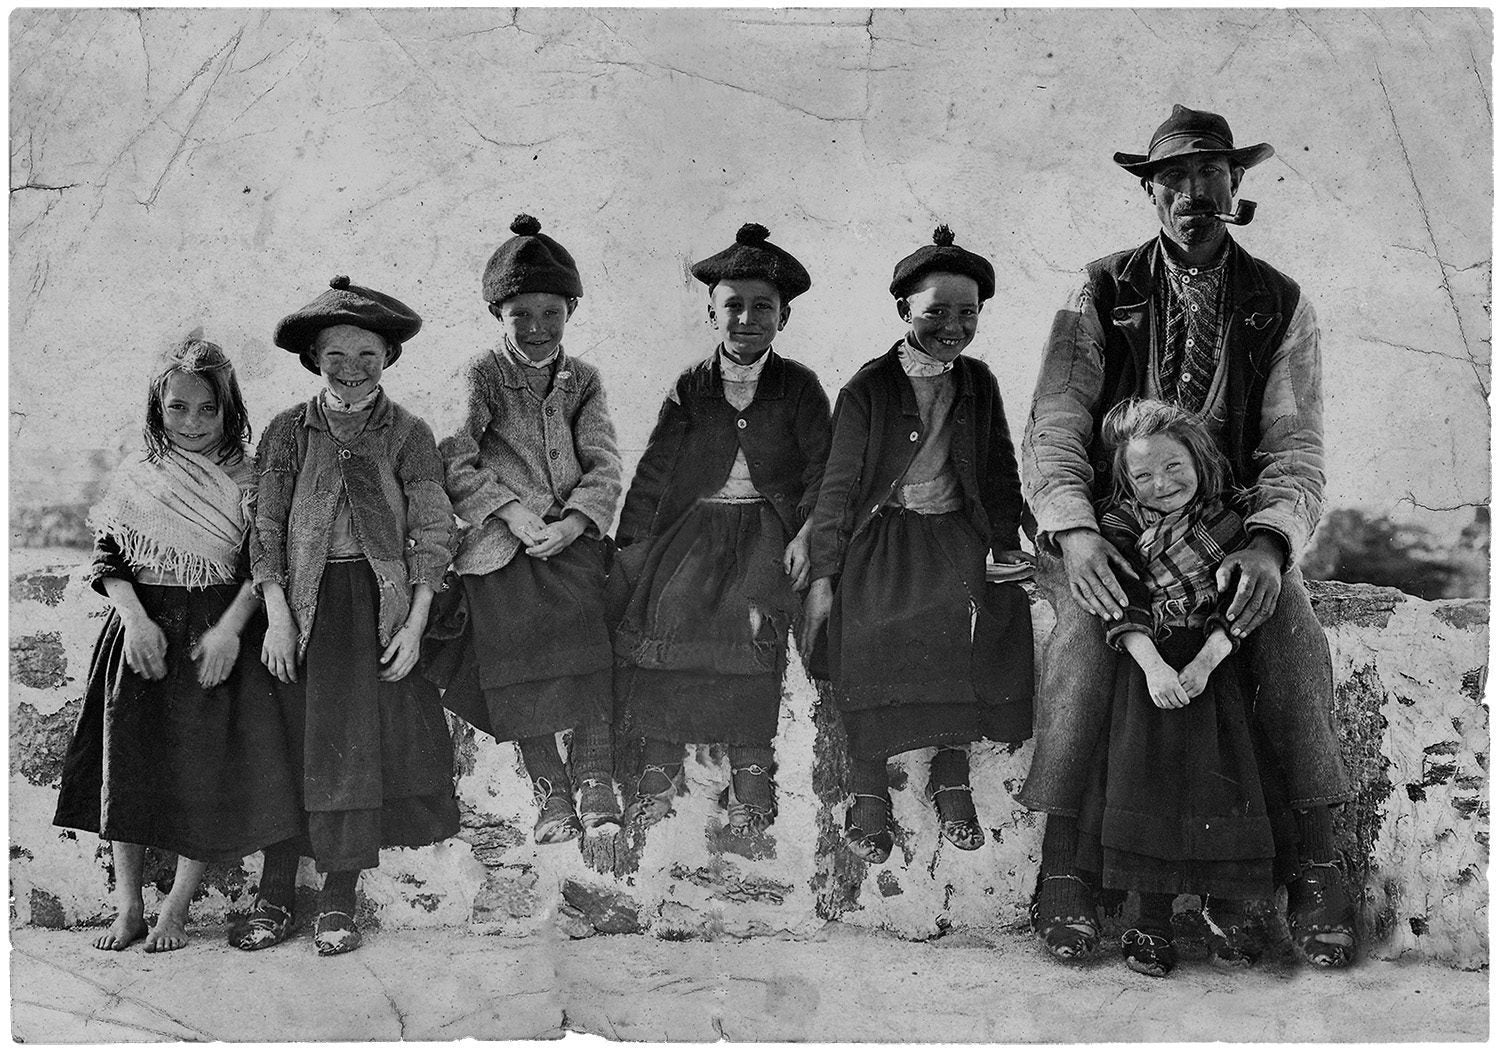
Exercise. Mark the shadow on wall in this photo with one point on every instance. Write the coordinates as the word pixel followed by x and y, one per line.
pixel 1356 547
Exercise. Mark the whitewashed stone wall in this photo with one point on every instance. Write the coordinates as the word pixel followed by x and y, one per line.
pixel 1410 678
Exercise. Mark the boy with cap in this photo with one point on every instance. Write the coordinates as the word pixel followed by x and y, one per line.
pixel 920 481
pixel 534 474
pixel 714 538
pixel 352 534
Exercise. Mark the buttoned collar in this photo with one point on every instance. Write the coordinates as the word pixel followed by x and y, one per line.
pixel 513 373
pixel 380 413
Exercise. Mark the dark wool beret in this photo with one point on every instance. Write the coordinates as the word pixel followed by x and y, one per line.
pixel 752 256
pixel 530 262
pixel 346 304
pixel 942 256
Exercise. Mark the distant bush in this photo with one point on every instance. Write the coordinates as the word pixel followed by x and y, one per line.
pixel 1356 547
pixel 55 526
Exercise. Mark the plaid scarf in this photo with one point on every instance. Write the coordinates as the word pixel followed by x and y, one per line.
pixel 1178 555
pixel 1191 302
pixel 182 514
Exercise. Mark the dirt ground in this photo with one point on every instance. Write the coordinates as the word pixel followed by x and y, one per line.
pixel 846 984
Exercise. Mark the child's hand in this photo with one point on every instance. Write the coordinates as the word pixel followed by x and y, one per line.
pixel 525 524
pixel 215 652
pixel 279 651
pixel 815 610
pixel 797 561
pixel 145 647
pixel 555 536
pixel 401 656
pixel 1165 688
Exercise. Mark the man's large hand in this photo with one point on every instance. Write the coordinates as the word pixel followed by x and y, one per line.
pixel 1091 562
pixel 1259 567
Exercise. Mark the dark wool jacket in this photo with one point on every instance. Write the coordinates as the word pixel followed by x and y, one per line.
pixel 784 432
pixel 877 430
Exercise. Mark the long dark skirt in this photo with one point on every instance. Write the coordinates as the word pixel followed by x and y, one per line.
pixel 1184 800
pixel 376 757
pixel 704 633
pixel 526 649
pixel 921 650
pixel 170 764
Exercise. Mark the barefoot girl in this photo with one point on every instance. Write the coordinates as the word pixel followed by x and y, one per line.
pixel 714 538
pixel 1177 804
pixel 534 473
pixel 921 481
pixel 352 536
pixel 179 744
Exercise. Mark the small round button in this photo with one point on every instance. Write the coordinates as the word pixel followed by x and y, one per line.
pixel 344 454
pixel 914 436
pixel 1189 341
pixel 552 454
pixel 551 409
pixel 1185 377
pixel 1193 307
pixel 741 424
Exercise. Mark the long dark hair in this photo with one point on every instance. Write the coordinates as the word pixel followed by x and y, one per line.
pixel 1144 417
pixel 207 362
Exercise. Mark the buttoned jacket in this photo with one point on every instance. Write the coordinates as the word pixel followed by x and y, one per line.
pixel 877 429
pixel 515 445
pixel 784 433
pixel 1100 353
pixel 393 480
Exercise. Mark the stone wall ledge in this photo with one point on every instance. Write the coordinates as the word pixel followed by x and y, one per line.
pixel 1410 677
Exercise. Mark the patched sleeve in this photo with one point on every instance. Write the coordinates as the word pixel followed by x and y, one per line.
pixel 276 467
pixel 1287 497
pixel 474 489
pixel 429 515
pixel 655 468
pixel 814 437
pixel 1055 470
pixel 833 516
pixel 597 494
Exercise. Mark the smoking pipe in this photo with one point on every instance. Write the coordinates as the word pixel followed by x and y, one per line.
pixel 1244 211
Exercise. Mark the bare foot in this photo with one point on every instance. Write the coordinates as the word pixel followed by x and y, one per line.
pixel 168 933
pixel 128 928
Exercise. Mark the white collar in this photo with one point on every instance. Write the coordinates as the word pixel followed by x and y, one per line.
pixel 917 362
pixel 523 360
pixel 338 405
pixel 734 372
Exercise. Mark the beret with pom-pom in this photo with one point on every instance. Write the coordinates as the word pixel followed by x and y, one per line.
pixel 942 257
pixel 754 255
pixel 343 303
pixel 529 262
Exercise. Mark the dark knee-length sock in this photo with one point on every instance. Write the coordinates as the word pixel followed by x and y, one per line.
pixel 278 873
pixel 338 891
pixel 1315 830
pixel 542 761
pixel 868 778
pixel 1155 917
pixel 750 789
pixel 950 769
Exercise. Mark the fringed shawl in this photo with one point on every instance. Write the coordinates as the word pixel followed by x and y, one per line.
pixel 182 514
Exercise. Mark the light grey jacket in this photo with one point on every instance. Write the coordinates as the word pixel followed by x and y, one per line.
pixel 1061 468
pixel 513 445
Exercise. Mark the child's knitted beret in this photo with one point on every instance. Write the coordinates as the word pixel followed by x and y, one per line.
pixel 942 256
pixel 530 262
pixel 753 256
pixel 346 304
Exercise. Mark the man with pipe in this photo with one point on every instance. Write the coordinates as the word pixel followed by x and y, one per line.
pixel 1191 318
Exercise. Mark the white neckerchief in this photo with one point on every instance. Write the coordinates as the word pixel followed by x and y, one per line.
pixel 518 356
pixel 338 405
pixel 736 373
pixel 917 362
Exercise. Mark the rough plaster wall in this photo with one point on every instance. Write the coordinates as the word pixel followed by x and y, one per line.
pixel 1410 681
pixel 181 168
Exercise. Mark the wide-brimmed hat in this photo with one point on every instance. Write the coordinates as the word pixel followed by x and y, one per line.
pixel 530 262
pixel 942 256
pixel 346 304
pixel 1189 132
pixel 754 256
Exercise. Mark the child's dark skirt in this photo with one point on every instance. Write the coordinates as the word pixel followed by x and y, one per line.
pixel 170 764
pixel 1185 800
pixel 530 655
pixel 376 757
pixel 921 650
pixel 704 632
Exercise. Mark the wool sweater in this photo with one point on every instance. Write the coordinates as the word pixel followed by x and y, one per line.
pixel 392 478
pixel 547 452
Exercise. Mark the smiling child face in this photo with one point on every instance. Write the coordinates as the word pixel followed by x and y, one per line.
pixel 533 322
pixel 747 313
pixel 943 312
pixel 351 360
pixel 191 414
pixel 1161 472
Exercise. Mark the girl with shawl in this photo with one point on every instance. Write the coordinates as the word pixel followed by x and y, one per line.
pixel 179 744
